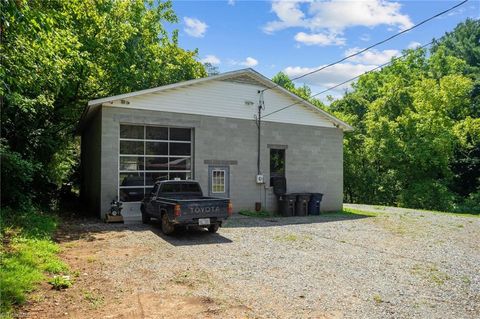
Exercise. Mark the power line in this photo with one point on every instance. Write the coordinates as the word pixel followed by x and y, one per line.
pixel 349 80
pixel 373 45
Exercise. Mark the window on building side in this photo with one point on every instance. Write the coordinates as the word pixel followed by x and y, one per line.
pixel 218 181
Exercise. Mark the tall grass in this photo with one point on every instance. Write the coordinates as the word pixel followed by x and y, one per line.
pixel 28 254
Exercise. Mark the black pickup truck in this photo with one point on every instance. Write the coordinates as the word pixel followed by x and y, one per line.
pixel 181 203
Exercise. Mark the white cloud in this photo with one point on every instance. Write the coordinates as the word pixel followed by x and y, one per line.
pixel 195 27
pixel 212 59
pixel 372 56
pixel 414 45
pixel 320 39
pixel 332 17
pixel 330 76
pixel 231 2
pixel 249 62
pixel 365 37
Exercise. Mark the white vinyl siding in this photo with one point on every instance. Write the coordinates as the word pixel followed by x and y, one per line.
pixel 226 99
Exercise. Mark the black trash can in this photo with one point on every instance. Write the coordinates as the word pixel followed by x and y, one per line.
pixel 314 204
pixel 286 204
pixel 301 207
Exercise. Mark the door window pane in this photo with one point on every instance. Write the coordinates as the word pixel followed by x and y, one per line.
pixel 131 147
pixel 157 133
pixel 151 178
pixel 180 134
pixel 131 131
pixel 131 179
pixel 180 148
pixel 131 194
pixel 179 164
pixel 156 148
pixel 218 181
pixel 156 163
pixel 131 163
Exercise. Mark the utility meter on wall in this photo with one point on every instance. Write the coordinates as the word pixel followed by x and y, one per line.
pixel 260 179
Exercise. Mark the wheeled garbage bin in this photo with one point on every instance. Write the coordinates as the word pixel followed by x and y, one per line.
pixel 314 203
pixel 286 204
pixel 301 206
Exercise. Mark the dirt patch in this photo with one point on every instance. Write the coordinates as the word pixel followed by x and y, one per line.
pixel 96 294
pixel 395 265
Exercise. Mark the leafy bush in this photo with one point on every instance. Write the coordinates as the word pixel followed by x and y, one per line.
pixel 426 195
pixel 470 205
pixel 17 177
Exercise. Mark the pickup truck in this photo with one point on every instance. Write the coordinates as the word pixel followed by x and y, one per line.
pixel 181 203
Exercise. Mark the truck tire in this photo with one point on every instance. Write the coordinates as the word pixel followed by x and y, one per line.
pixel 145 217
pixel 167 226
pixel 213 228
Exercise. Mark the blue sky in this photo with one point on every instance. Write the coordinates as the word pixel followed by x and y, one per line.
pixel 299 36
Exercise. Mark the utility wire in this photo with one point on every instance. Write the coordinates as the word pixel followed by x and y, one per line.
pixel 374 45
pixel 349 80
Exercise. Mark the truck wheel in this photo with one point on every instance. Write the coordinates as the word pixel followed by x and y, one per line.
pixel 145 218
pixel 213 228
pixel 167 227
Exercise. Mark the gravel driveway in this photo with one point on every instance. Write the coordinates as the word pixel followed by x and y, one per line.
pixel 397 264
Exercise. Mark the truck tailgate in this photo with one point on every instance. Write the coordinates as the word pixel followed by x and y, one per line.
pixel 203 208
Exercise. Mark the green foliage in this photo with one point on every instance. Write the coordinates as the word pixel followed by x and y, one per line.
pixel 260 214
pixel 302 91
pixel 416 141
pixel 27 253
pixel 60 282
pixel 16 178
pixel 57 55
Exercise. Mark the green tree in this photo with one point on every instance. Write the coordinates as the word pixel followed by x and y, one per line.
pixel 57 55
pixel 415 142
pixel 303 91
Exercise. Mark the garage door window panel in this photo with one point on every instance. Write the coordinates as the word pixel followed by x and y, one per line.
pixel 179 164
pixel 131 194
pixel 151 178
pixel 180 134
pixel 146 156
pixel 180 148
pixel 131 163
pixel 132 132
pixel 132 147
pixel 156 163
pixel 156 133
pixel 156 148
pixel 132 179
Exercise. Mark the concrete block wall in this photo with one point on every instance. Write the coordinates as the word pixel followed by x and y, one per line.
pixel 314 155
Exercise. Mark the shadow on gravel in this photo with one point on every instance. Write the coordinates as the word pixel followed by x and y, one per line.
pixel 245 221
pixel 87 229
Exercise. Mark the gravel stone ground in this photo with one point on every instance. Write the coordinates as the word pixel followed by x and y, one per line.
pixel 397 264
